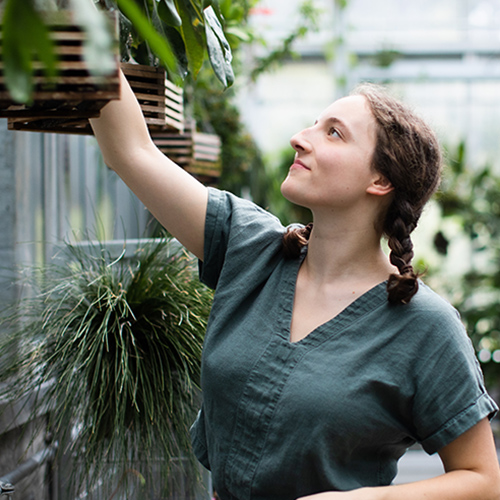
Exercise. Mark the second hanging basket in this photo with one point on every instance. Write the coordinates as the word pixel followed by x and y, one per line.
pixel 198 153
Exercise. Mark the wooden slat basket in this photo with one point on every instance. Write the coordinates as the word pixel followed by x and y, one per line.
pixel 161 101
pixel 197 152
pixel 65 104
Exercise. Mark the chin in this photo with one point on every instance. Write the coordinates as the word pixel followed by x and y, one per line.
pixel 290 193
pixel 287 188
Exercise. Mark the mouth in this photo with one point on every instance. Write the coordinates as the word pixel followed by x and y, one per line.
pixel 297 164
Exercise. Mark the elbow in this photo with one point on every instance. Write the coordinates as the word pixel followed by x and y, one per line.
pixel 495 487
pixel 491 485
pixel 128 157
pixel 108 163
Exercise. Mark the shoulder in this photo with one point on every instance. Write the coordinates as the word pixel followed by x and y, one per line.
pixel 237 221
pixel 428 304
pixel 238 233
pixel 449 394
pixel 441 343
pixel 429 321
pixel 426 299
pixel 229 207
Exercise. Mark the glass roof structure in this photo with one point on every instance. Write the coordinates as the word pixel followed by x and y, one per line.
pixel 442 56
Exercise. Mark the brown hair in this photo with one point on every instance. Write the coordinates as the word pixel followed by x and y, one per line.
pixel 407 153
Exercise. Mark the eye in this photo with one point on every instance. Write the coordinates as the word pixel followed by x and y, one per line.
pixel 334 132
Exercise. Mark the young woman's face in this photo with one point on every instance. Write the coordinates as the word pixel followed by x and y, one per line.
pixel 332 166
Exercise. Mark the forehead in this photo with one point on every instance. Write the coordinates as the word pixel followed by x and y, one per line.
pixel 349 104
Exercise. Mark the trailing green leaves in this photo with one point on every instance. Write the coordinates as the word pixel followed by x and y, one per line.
pixel 25 38
pixel 218 47
pixel 162 24
pixel 192 35
pixel 158 44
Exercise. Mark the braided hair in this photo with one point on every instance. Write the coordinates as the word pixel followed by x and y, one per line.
pixel 407 153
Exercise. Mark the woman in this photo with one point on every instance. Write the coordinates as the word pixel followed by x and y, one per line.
pixel 324 359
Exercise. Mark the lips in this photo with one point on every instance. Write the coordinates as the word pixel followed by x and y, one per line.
pixel 299 165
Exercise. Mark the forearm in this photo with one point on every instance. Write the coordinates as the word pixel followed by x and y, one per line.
pixel 454 485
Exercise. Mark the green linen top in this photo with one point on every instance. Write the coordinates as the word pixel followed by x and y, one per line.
pixel 336 410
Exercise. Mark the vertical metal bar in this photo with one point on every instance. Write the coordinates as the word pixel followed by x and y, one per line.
pixel 340 63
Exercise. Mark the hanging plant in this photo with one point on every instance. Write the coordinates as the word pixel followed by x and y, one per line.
pixel 176 34
pixel 112 347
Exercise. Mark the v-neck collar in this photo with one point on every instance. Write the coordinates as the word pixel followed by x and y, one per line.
pixel 369 300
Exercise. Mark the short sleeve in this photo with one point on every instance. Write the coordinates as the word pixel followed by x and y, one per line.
pixel 481 408
pixel 450 395
pixel 238 227
pixel 217 224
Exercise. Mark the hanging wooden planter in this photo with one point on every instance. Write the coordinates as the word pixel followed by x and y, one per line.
pixel 178 147
pixel 65 104
pixel 161 101
pixel 197 152
pixel 206 161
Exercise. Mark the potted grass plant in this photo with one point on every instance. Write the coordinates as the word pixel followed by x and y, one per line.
pixel 115 343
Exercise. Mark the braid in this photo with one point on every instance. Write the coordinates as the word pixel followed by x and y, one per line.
pixel 403 286
pixel 295 239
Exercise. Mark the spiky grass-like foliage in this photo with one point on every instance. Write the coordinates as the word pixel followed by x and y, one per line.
pixel 116 344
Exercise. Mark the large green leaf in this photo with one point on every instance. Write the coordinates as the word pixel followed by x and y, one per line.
pixel 218 47
pixel 24 36
pixel 195 5
pixel 192 34
pixel 99 44
pixel 168 13
pixel 177 44
pixel 159 45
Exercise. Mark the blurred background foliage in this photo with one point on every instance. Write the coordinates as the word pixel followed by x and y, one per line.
pixel 470 218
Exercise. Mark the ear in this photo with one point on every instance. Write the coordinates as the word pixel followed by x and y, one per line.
pixel 380 186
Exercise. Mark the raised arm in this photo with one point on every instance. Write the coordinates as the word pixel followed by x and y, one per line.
pixel 172 195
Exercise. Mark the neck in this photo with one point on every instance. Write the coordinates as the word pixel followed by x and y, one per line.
pixel 351 252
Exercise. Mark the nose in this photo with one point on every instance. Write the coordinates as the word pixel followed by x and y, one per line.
pixel 299 141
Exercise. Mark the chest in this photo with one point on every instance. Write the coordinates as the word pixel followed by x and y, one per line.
pixel 315 305
pixel 338 389
pixel 309 314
